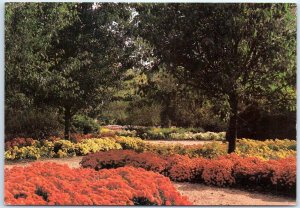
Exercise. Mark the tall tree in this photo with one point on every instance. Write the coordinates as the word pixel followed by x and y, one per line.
pixel 29 28
pixel 82 60
pixel 237 52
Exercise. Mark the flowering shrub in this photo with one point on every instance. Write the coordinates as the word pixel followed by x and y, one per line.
pixel 19 142
pixel 269 149
pixel 126 133
pixel 33 149
pixel 284 174
pixel 107 132
pixel 95 145
pixel 121 158
pixel 209 150
pixel 54 184
pixel 229 170
pixel 218 172
pixel 30 152
pixel 220 136
pixel 172 133
pixel 60 148
pixel 131 143
pixel 76 138
pixel 181 168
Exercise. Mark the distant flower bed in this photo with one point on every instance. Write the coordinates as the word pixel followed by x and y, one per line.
pixel 231 170
pixel 33 149
pixel 54 184
pixel 173 133
pixel 269 149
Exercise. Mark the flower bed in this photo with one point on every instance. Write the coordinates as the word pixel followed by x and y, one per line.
pixel 54 184
pixel 33 149
pixel 172 134
pixel 60 148
pixel 269 149
pixel 19 142
pixel 231 170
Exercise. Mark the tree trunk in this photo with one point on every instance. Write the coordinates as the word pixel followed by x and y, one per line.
pixel 231 133
pixel 67 122
pixel 165 120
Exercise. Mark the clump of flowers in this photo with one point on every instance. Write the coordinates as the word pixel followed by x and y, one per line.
pixel 21 148
pixel 54 184
pixel 229 170
pixel 121 158
pixel 19 142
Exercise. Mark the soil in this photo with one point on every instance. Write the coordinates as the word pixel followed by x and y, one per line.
pixel 198 194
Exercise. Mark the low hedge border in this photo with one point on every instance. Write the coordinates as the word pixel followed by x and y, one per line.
pixel 277 176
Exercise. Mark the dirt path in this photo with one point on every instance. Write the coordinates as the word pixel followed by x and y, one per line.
pixel 184 142
pixel 73 162
pixel 198 194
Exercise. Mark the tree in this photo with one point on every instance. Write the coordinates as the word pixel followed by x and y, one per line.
pixel 161 88
pixel 239 53
pixel 29 28
pixel 82 61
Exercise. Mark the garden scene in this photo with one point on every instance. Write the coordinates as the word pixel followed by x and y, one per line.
pixel 150 104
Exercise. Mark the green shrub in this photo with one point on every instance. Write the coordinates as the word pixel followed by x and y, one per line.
pixel 177 134
pixel 126 133
pixel 85 124
pixel 33 123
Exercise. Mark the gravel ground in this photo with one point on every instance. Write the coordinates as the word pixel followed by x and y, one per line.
pixel 198 194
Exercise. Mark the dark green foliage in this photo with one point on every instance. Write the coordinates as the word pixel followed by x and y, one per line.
pixel 85 124
pixel 32 123
pixel 256 123
pixel 153 133
pixel 70 61
pixel 143 201
pixel 237 53
pixel 189 65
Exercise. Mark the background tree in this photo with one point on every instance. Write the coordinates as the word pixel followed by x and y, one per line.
pixel 82 60
pixel 29 28
pixel 236 52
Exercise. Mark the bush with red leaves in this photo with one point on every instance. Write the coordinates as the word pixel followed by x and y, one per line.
pixel 121 158
pixel 218 172
pixel 54 184
pixel 230 170
pixel 19 142
pixel 76 138
pixel 181 168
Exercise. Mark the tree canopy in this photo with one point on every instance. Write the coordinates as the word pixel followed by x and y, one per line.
pixel 175 61
pixel 237 52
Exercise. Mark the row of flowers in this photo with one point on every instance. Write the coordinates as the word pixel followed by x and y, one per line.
pixel 230 170
pixel 33 149
pixel 265 150
pixel 54 184
pixel 172 134
pixel 60 148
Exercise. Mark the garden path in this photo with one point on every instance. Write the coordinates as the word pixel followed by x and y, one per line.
pixel 198 194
